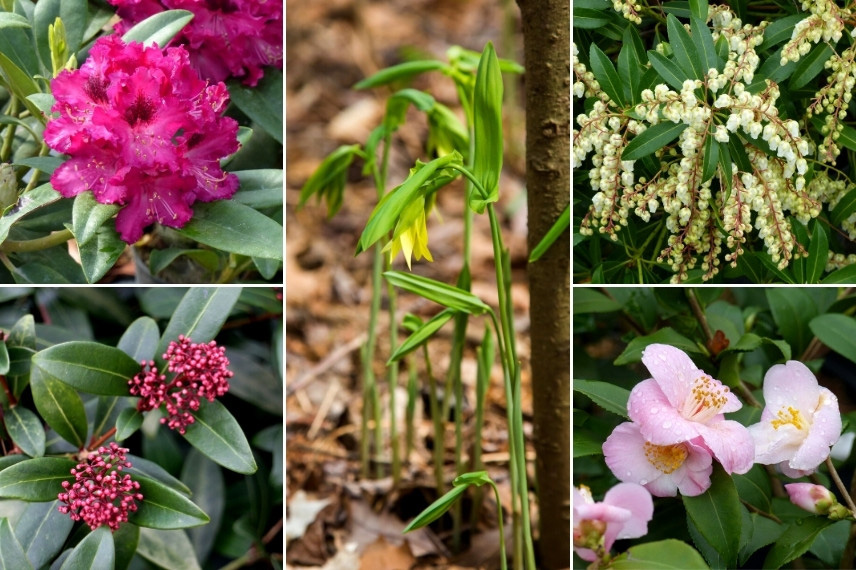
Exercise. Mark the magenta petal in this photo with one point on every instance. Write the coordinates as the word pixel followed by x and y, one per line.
pixel 731 443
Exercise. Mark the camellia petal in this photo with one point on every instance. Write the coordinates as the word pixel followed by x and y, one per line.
pixel 659 421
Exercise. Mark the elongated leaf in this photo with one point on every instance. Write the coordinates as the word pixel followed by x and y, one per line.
pixel 436 509
pixel 716 514
pixel 810 65
pixel 255 382
pixel 167 549
pixel 165 508
pixel 11 20
pixel 20 83
pixel 845 207
pixel 795 541
pixel 231 226
pixel 262 103
pixel 668 70
pixel 588 19
pixel 329 178
pixel 260 188
pixel 421 335
pixel 608 396
pixel 217 434
pixel 441 293
pixel 669 554
pixel 129 421
pixel 557 229
pixel 99 255
pixel 96 550
pixel 817 254
pixel 847 137
pixel 703 41
pixel 12 555
pixel 205 479
pixel 666 335
pixel 60 406
pixel 4 358
pixel 88 216
pixel 487 127
pixel 710 160
pixel 780 30
pixel 200 315
pixel 606 76
pixel 42 530
pixel 26 430
pixel 126 540
pixel 38 479
pixel 588 300
pixel 844 275
pixel 400 72
pixel 152 470
pixel 140 340
pixel 699 9
pixel 652 139
pixel 28 203
pixel 88 366
pixel 159 29
pixel 836 331
pixel 686 53
pixel 792 310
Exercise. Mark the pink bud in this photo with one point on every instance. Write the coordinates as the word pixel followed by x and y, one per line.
pixel 813 498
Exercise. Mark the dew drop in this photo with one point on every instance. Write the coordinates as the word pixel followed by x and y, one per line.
pixel 655 410
pixel 629 474
pixel 667 425
pixel 643 481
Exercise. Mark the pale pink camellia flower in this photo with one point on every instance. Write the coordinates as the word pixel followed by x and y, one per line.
pixel 683 403
pixel 624 513
pixel 800 422
pixel 664 470
pixel 225 38
pixel 142 131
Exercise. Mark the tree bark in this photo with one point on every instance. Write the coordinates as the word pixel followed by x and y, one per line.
pixel 546 36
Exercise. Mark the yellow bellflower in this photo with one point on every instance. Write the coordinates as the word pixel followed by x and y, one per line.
pixel 411 234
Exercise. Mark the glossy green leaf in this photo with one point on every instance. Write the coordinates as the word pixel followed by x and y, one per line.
pixel 205 480
pixel 441 293
pixel 217 434
pixel 225 225
pixel 261 188
pixel 810 65
pixel 703 41
pixel 843 275
pixel 556 230
pixel 792 310
pixel 12 556
pixel 847 137
pixel 587 300
pixel 831 542
pixel 329 178
pixel 588 19
pixel 11 20
pixel 421 335
pixel 140 340
pixel 668 70
pixel 88 366
pixel 38 479
pixel 262 103
pixel 126 540
pixel 798 265
pixel 42 530
pixel 26 430
pixel 710 159
pixel 487 127
pixel 585 444
pixel 836 331
pixel 401 72
pixel 608 396
pixel 199 316
pixel 128 422
pixel 96 550
pixel 669 554
pixel 795 541
pixel 159 28
pixel 4 358
pixel 716 515
pixel 844 208
pixel 99 255
pixel 207 259
pixel 60 406
pixel 686 54
pixel 780 30
pixel 88 216
pixel 164 508
pixel 764 532
pixel 607 77
pixel 699 9
pixel 255 382
pixel 19 82
pixel 398 103
pixel 28 203
pixel 152 470
pixel 817 254
pixel 666 335
pixel 167 549
pixel 652 139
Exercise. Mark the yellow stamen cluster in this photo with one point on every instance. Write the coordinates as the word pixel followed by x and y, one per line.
pixel 708 397
pixel 789 416
pixel 666 458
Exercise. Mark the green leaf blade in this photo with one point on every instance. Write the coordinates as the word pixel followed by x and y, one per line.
pixel 217 434
pixel 88 366
pixel 26 430
pixel 652 139
pixel 716 514
pixel 159 28
pixel 37 479
pixel 164 508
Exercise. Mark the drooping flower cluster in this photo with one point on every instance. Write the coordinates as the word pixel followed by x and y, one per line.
pixel 199 371
pixel 678 427
pixel 624 512
pixel 826 23
pixel 144 132
pixel 101 494
pixel 225 38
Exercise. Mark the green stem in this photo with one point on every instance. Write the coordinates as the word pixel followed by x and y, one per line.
pixel 412 392
pixel 38 244
pixel 503 564
pixel 9 137
pixel 369 390
pixel 392 375
pixel 438 424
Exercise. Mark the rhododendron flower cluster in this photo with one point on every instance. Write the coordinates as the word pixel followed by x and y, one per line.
pixel 800 422
pixel 225 38
pixel 199 371
pixel 623 513
pixel 144 132
pixel 101 494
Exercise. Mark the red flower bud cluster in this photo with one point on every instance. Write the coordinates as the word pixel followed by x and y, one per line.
pixel 199 371
pixel 100 494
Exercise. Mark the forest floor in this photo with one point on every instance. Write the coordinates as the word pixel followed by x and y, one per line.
pixel 336 518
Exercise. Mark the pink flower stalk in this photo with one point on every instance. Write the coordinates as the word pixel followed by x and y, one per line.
pixel 682 403
pixel 623 513
pixel 800 422
pixel 144 132
pixel 225 38
pixel 100 494
pixel 200 371
pixel 664 470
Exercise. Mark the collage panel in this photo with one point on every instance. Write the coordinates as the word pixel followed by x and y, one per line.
pixel 714 427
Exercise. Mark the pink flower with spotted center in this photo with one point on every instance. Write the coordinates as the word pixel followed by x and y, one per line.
pixel 682 403
pixel 199 371
pixel 100 493
pixel 800 422
pixel 225 38
pixel 624 512
pixel 142 131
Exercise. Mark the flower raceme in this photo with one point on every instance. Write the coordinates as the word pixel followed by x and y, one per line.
pixel 100 493
pixel 800 422
pixel 199 371
pixel 143 132
pixel 624 513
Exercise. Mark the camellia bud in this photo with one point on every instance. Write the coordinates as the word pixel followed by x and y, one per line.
pixel 815 499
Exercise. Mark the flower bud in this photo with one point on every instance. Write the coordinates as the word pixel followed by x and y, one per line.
pixel 813 498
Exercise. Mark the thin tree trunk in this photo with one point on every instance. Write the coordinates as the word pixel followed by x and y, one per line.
pixel 546 33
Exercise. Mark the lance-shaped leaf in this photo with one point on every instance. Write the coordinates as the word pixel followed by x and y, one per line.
pixel 128 422
pixel 151 470
pixel 225 225
pixel 164 508
pixel 607 77
pixel 160 28
pixel 12 556
pixel 686 53
pixel 436 509
pixel 441 293
pixel 60 406
pixel 96 550
pixel 42 530
pixel 421 335
pixel 88 366
pixel 817 255
pixel 400 72
pixel 487 127
pixel 200 315
pixel 329 178
pixel 140 340
pixel 608 396
pixel 809 66
pixel 667 69
pixel 400 101
pixel 26 430
pixel 557 229
pixel 217 434
pixel 38 479
pixel 167 549
pixel 652 139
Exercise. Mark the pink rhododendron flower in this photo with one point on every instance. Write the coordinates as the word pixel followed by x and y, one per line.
pixel 800 422
pixel 143 131
pixel 662 469
pixel 623 513
pixel 682 403
pixel 225 38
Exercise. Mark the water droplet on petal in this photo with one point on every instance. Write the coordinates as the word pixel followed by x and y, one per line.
pixel 667 425
pixel 628 474
pixel 655 410
pixel 643 481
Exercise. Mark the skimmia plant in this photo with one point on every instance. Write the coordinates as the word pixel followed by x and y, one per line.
pixel 714 141
pixel 725 415
pixel 140 136
pixel 122 450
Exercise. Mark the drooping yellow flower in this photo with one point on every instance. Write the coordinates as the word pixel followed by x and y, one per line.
pixel 411 234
